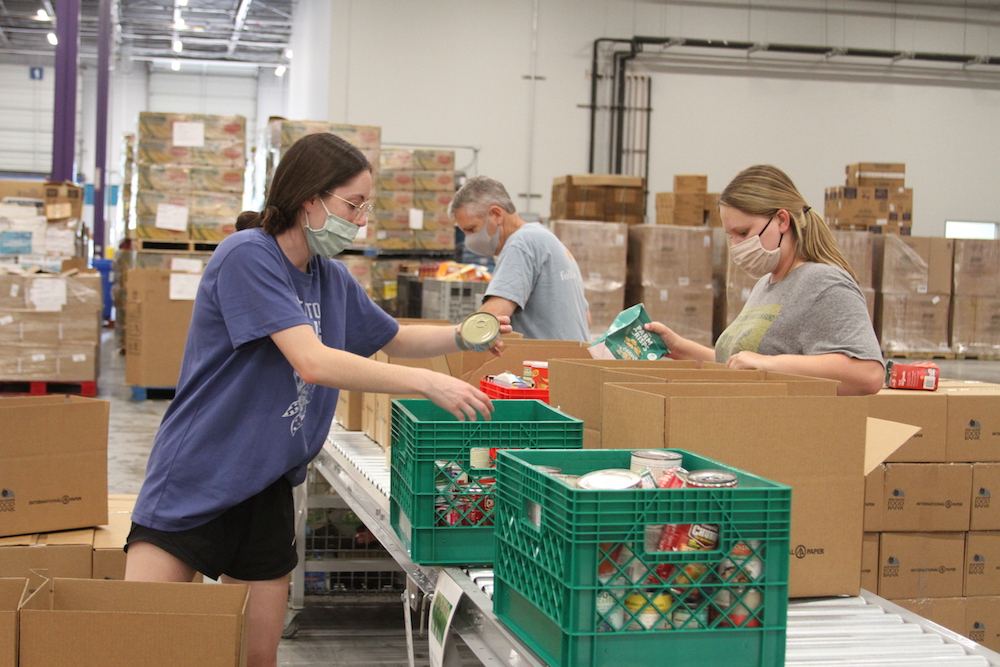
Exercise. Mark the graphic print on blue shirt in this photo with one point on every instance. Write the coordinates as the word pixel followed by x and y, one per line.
pixel 297 410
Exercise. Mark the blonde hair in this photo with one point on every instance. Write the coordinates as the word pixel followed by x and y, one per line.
pixel 764 190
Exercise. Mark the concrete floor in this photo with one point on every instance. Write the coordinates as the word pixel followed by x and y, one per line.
pixel 331 631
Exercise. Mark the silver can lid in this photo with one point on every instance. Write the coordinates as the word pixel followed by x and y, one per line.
pixel 480 328
pixel 611 479
pixel 711 478
pixel 549 470
pixel 661 455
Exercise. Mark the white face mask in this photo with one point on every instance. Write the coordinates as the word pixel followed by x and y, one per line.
pixel 751 256
pixel 481 243
pixel 335 235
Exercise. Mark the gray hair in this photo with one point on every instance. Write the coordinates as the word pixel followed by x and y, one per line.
pixel 478 195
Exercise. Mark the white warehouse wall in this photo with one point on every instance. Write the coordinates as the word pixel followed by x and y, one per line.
pixel 450 72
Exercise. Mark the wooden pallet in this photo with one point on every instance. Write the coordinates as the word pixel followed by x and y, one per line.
pixel 41 388
pixel 978 356
pixel 140 394
pixel 174 245
pixel 919 355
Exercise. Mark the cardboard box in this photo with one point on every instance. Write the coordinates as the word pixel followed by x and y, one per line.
pixel 977 267
pixel 921 565
pixel 912 322
pixel 869 562
pixel 53 463
pixel 22 190
pixel 349 410
pixel 928 410
pixel 689 310
pixel 876 174
pixel 157 327
pixel 668 256
pixel 982 621
pixel 912 264
pixel 949 613
pixel 686 209
pixel 12 591
pixel 858 248
pixel 63 200
pixel 42 556
pixel 985 514
pixel 874 490
pixel 982 563
pixel 975 325
pixel 973 433
pixel 926 497
pixel 100 622
pixel 690 183
pixel 876 209
pixel 109 544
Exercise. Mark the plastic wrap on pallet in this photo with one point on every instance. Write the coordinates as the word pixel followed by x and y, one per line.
pixel 913 323
pixel 975 325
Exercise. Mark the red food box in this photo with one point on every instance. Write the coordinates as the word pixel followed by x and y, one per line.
pixel 918 375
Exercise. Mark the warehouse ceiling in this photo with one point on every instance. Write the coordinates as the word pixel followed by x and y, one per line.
pixel 243 31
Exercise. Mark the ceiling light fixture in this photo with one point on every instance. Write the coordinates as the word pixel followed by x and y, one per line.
pixel 280 70
pixel 42 15
pixel 53 40
pixel 182 3
pixel 175 65
pixel 177 46
pixel 179 24
pixel 288 53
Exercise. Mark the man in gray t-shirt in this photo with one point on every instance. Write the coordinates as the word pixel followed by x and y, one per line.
pixel 537 283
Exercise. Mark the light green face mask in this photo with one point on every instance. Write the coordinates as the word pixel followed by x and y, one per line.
pixel 335 235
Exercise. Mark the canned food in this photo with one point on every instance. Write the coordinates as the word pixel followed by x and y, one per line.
pixel 711 479
pixel 739 610
pixel 549 470
pixel 610 479
pixel 480 331
pixel 657 461
pixel 479 457
pixel 449 475
pixel 571 480
pixel 449 510
pixel 648 614
pixel 742 566
pixel 610 613
pixel 688 619
pixel 536 373
pixel 479 503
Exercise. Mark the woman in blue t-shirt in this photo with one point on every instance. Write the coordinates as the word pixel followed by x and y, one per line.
pixel 277 330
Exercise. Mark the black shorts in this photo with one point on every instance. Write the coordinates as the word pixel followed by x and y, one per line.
pixel 253 541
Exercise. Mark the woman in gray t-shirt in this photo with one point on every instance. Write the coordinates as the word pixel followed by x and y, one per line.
pixel 806 315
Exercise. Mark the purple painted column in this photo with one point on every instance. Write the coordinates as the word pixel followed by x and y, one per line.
pixel 64 113
pixel 101 145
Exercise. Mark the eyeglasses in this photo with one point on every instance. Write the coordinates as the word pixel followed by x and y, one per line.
pixel 360 210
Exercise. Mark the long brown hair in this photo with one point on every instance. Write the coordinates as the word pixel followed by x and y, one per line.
pixel 313 166
pixel 764 190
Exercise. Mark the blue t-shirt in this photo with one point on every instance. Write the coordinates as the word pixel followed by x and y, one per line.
pixel 242 417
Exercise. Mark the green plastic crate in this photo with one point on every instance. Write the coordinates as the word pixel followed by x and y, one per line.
pixel 552 540
pixel 425 438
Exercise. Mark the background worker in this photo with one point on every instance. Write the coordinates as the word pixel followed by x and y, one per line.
pixel 536 282
pixel 278 329
pixel 806 315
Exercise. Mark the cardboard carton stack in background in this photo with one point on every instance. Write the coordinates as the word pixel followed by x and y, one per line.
pixel 874 198
pixel 932 530
pixel 670 272
pixel 40 224
pixel 415 188
pixel 189 176
pixel 975 311
pixel 912 277
pixel 689 205
pixel 601 250
pixel 599 198
pixel 858 248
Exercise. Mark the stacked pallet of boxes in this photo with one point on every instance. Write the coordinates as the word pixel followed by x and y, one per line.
pixel 601 251
pixel 599 197
pixel 415 188
pixel 975 310
pixel 40 224
pixel 932 530
pixel 874 198
pixel 912 277
pixel 670 272
pixel 858 248
pixel 690 204
pixel 189 176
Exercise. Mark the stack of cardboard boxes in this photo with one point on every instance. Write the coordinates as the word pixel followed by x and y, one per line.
pixel 189 176
pixel 415 188
pixel 599 198
pixel 975 311
pixel 874 198
pixel 858 248
pixel 912 277
pixel 932 532
pixel 40 224
pixel 690 204
pixel 601 251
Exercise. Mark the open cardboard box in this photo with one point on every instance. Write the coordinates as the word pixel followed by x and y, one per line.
pixel 790 429
pixel 12 593
pixel 96 623
pixel 40 557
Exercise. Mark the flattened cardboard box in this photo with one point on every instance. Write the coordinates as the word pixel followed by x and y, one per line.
pixel 821 446
pixel 982 563
pixel 53 463
pixel 921 565
pixel 985 514
pixel 12 591
pixel 100 623
pixel 926 497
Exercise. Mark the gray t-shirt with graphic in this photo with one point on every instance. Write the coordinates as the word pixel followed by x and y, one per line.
pixel 815 309
pixel 538 273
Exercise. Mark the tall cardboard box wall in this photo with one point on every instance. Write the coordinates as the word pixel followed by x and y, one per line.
pixel 158 322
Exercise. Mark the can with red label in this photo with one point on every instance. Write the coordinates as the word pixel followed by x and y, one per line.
pixel 743 566
pixel 479 502
pixel 739 607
